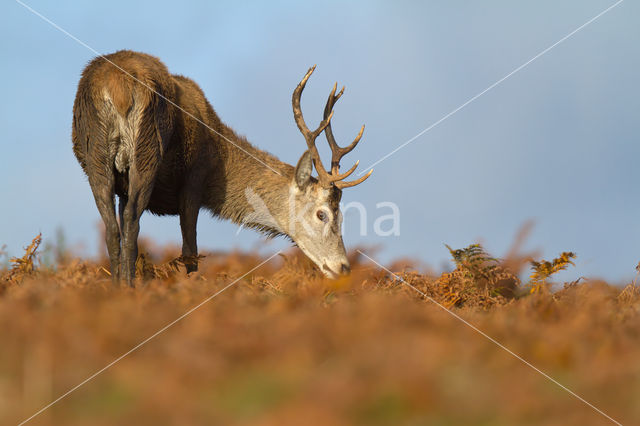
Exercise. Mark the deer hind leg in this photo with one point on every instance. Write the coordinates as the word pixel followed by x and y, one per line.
pixel 137 199
pixel 99 169
pixel 122 202
pixel 103 192
pixel 142 174
pixel 143 165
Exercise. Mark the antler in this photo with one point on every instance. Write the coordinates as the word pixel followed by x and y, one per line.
pixel 325 177
pixel 338 152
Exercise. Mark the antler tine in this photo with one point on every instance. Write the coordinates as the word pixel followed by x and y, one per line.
pixel 328 108
pixel 295 100
pixel 347 149
pixel 310 136
pixel 337 152
pixel 343 184
pixel 346 174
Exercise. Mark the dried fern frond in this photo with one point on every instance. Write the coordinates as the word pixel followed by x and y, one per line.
pixel 543 269
pixel 149 271
pixel 478 279
pixel 24 265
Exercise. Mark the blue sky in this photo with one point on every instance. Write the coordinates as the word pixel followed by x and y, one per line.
pixel 556 142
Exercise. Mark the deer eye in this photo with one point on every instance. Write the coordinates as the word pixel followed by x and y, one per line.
pixel 322 216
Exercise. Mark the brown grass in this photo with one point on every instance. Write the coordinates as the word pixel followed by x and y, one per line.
pixel 286 346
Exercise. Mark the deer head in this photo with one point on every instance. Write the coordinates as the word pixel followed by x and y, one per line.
pixel 316 223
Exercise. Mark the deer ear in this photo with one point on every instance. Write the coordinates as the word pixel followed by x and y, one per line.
pixel 302 173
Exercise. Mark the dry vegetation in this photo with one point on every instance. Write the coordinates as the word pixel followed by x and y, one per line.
pixel 285 346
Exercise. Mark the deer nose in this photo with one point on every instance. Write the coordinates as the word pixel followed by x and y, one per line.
pixel 345 269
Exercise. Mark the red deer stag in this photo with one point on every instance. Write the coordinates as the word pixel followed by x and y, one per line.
pixel 153 139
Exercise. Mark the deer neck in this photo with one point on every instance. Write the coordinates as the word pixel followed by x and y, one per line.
pixel 252 188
